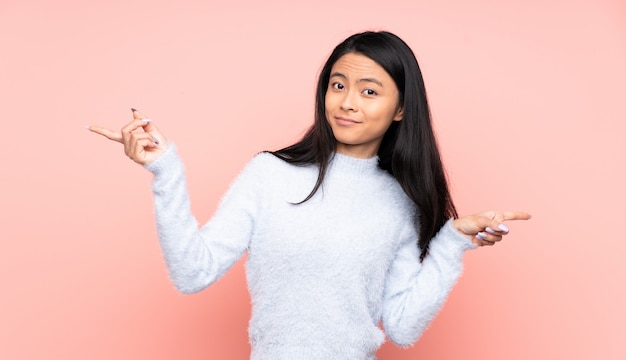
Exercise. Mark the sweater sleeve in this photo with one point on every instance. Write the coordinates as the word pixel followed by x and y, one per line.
pixel 196 257
pixel 414 291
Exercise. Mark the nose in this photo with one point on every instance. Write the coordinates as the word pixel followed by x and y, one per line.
pixel 350 101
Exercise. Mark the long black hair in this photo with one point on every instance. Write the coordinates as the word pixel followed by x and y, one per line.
pixel 408 150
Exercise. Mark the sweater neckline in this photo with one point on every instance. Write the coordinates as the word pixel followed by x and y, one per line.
pixel 358 166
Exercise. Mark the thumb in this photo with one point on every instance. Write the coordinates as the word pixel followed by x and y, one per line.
pixel 150 128
pixel 136 114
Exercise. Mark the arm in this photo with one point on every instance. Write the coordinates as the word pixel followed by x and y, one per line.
pixel 414 291
pixel 195 257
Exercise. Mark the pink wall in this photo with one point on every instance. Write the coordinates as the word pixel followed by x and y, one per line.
pixel 529 103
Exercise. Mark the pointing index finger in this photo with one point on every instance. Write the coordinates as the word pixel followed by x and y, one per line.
pixel 109 134
pixel 515 215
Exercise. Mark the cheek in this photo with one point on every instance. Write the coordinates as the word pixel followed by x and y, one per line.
pixel 391 110
pixel 329 100
pixel 330 104
pixel 381 111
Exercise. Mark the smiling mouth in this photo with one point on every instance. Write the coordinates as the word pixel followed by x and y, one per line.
pixel 345 121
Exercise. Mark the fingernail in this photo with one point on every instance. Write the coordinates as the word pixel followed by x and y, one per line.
pixel 155 140
pixel 490 230
pixel 503 227
pixel 155 144
pixel 481 236
pixel 133 109
pixel 146 120
pixel 87 127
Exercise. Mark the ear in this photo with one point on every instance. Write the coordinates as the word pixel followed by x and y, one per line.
pixel 399 114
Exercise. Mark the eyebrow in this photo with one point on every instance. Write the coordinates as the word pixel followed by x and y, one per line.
pixel 372 80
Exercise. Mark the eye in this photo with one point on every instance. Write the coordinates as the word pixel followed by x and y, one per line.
pixel 336 85
pixel 370 92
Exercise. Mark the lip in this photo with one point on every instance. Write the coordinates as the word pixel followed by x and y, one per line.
pixel 345 121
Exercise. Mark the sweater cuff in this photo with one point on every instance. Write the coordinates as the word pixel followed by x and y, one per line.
pixel 454 240
pixel 165 162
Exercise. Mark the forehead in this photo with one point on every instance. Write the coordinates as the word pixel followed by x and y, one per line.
pixel 358 65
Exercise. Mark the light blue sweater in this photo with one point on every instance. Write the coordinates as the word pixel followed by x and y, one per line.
pixel 321 274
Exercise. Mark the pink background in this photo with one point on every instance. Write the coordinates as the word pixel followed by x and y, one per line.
pixel 529 103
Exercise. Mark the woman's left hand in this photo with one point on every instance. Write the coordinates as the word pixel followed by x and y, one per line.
pixel 487 228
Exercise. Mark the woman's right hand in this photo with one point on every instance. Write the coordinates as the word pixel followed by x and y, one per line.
pixel 142 141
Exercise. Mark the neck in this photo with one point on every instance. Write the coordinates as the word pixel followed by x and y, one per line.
pixel 357 151
pixel 347 164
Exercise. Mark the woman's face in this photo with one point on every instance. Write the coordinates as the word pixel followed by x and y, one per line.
pixel 362 100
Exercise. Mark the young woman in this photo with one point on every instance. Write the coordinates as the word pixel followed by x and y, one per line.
pixel 351 225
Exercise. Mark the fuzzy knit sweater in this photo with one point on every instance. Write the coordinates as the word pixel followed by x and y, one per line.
pixel 322 274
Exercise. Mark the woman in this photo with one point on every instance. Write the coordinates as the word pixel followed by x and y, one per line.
pixel 351 225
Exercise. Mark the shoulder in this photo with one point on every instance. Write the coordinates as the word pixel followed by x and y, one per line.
pixel 265 166
pixel 266 162
pixel 395 194
pixel 266 158
pixel 273 178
